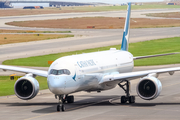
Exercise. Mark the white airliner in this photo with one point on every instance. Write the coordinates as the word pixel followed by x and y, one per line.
pixel 97 71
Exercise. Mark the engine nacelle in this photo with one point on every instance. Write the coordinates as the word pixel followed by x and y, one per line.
pixel 26 87
pixel 149 88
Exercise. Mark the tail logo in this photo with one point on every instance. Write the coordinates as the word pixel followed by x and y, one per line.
pixel 125 39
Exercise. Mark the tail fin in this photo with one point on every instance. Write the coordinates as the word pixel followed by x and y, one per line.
pixel 125 39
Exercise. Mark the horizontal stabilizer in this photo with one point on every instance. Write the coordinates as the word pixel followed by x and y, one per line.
pixel 149 56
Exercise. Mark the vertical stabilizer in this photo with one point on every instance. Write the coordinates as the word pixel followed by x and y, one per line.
pixel 125 39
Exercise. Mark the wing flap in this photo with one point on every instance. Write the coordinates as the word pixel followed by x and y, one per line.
pixel 25 70
pixel 134 75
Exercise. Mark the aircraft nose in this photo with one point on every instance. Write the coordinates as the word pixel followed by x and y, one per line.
pixel 57 84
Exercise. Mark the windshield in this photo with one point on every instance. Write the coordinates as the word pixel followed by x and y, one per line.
pixel 60 72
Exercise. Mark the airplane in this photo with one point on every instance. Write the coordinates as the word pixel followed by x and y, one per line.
pixel 96 71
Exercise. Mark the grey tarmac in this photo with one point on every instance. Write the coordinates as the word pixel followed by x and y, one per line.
pixel 99 106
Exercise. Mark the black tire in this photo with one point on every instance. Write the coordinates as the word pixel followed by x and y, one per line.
pixel 70 99
pixel 58 108
pixel 123 99
pixel 63 108
pixel 132 99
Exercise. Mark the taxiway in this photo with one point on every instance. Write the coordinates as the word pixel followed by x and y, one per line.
pixel 99 106
pixel 84 38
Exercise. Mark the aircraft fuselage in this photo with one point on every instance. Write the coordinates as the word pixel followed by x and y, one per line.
pixel 85 71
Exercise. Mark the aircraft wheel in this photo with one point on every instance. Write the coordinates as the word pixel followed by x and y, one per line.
pixel 123 99
pixel 58 108
pixel 132 99
pixel 70 99
pixel 63 108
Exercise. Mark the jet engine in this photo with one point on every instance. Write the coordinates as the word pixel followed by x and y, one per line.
pixel 149 88
pixel 26 87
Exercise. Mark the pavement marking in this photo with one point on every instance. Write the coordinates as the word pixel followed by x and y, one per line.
pixel 171 84
pixel 7 97
pixel 40 116
pixel 158 109
pixel 128 105
pixel 87 105
pixel 13 96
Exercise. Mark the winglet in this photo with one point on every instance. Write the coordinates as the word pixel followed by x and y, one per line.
pixel 125 39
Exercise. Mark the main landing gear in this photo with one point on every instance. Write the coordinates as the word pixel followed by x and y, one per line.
pixel 62 99
pixel 126 98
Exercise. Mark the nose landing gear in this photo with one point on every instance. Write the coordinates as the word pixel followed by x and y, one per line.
pixel 60 106
pixel 62 99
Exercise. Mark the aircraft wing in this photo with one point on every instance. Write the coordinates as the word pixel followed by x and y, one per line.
pixel 149 56
pixel 25 70
pixel 134 75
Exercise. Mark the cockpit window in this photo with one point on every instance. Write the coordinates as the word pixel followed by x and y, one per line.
pixel 54 72
pixel 60 72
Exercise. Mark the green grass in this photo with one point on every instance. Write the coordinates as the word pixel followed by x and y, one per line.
pixel 25 31
pixel 56 31
pixel 7 85
pixel 160 46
